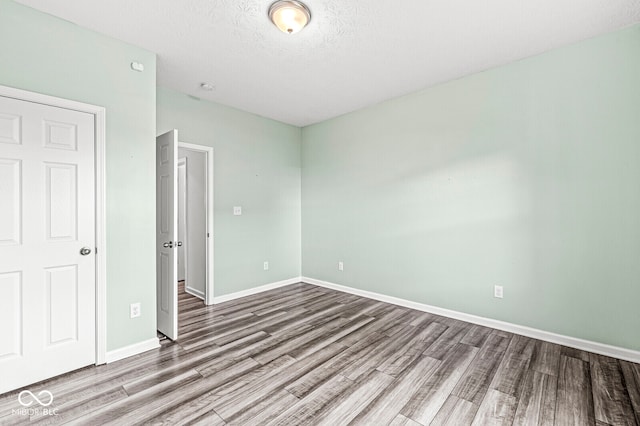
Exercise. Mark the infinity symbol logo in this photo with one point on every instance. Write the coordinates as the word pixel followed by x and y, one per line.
pixel 40 394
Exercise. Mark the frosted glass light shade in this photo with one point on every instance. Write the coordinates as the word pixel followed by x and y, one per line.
pixel 289 16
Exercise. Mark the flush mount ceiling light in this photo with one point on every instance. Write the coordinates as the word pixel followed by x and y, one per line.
pixel 290 16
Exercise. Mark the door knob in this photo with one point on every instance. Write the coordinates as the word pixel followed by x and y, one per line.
pixel 178 243
pixel 85 251
pixel 168 245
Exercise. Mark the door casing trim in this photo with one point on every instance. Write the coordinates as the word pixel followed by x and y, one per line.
pixel 100 193
pixel 208 151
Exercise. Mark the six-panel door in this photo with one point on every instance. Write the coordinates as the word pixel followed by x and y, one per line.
pixel 47 216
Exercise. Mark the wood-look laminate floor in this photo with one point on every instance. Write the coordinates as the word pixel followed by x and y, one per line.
pixel 303 355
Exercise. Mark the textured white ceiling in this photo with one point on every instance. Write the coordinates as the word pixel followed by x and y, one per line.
pixel 354 53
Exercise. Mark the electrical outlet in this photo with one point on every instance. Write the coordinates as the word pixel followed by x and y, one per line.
pixel 237 210
pixel 340 266
pixel 134 310
pixel 266 266
pixel 497 291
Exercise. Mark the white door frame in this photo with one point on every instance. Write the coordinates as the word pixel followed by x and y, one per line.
pixel 208 151
pixel 182 162
pixel 100 189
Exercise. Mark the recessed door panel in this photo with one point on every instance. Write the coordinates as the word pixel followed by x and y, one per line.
pixel 62 304
pixel 10 129
pixel 11 315
pixel 165 200
pixel 165 285
pixel 10 200
pixel 164 155
pixel 62 201
pixel 60 135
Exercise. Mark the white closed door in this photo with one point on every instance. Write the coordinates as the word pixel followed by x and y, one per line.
pixel 47 217
pixel 167 233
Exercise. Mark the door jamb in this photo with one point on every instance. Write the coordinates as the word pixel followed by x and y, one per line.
pixel 100 208
pixel 182 162
pixel 209 289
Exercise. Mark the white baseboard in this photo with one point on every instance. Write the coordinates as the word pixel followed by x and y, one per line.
pixel 255 290
pixel 131 350
pixel 192 291
pixel 585 345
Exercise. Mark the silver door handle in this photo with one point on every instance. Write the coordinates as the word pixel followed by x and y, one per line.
pixel 85 251
pixel 178 243
pixel 168 245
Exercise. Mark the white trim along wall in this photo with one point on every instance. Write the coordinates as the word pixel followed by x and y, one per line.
pixel 255 290
pixel 585 345
pixel 131 350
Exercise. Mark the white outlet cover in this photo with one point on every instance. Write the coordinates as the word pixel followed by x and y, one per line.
pixel 237 210
pixel 266 266
pixel 134 310
pixel 340 266
pixel 498 292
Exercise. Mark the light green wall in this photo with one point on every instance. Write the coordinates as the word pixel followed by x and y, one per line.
pixel 525 176
pixel 256 166
pixel 44 54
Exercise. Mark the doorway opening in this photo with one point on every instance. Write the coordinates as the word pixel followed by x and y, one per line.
pixel 195 220
pixel 184 182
